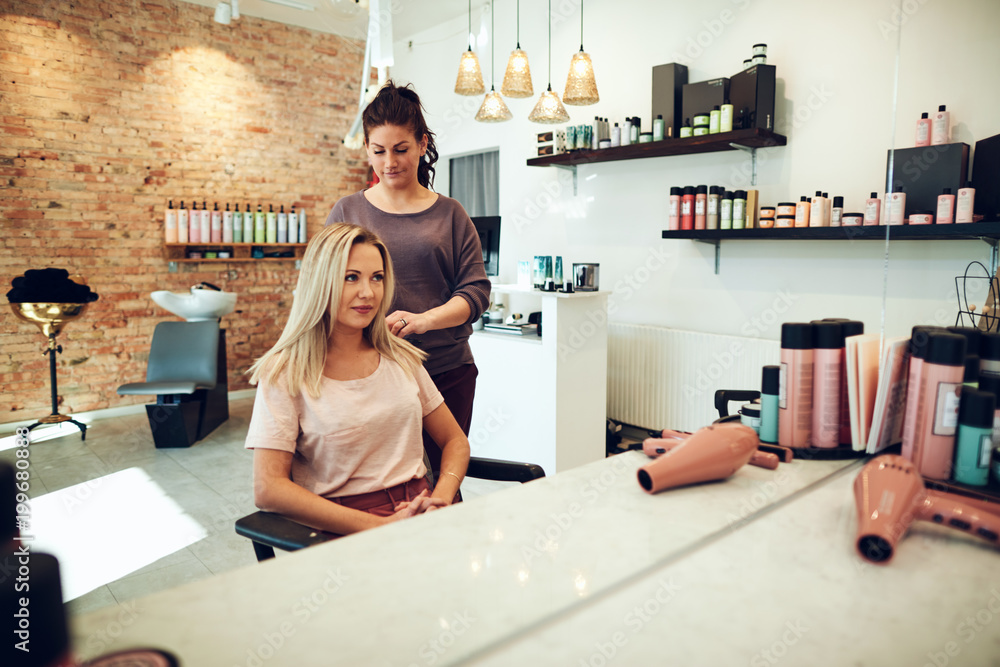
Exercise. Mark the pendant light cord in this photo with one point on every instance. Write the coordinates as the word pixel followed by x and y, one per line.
pixel 550 44
pixel 470 24
pixel 519 24
pixel 581 25
pixel 493 35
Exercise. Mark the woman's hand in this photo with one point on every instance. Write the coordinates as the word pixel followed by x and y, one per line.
pixel 421 503
pixel 403 323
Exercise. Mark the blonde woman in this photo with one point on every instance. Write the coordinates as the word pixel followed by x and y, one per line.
pixel 341 401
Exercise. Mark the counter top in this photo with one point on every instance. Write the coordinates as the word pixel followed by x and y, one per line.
pixel 446 585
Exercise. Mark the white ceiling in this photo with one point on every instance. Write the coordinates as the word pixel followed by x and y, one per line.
pixel 347 18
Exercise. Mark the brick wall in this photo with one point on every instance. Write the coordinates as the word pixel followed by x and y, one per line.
pixel 108 110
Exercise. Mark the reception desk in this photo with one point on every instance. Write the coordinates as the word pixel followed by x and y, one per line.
pixel 582 564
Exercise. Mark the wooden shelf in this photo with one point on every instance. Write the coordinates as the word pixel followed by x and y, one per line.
pixel 976 230
pixel 709 143
pixel 239 252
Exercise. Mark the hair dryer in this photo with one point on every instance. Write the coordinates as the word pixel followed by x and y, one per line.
pixel 654 447
pixel 890 495
pixel 712 453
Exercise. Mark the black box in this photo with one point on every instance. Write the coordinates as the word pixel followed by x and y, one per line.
pixel 702 97
pixel 925 171
pixel 986 178
pixel 751 92
pixel 668 84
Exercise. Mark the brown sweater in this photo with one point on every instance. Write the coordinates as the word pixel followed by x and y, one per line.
pixel 436 255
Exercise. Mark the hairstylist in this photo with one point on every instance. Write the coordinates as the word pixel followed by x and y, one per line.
pixel 442 286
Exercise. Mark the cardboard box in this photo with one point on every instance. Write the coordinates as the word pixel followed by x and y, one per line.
pixel 751 92
pixel 668 88
pixel 702 97
pixel 925 171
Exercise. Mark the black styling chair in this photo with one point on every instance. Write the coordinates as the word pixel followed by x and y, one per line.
pixel 268 530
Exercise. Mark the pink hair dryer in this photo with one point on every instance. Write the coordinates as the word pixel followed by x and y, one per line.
pixel 712 453
pixel 890 495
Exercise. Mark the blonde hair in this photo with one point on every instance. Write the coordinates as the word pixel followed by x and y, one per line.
pixel 298 358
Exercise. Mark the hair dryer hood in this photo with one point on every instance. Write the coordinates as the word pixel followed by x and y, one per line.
pixel 890 495
pixel 712 453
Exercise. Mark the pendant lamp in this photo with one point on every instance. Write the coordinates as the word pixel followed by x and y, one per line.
pixel 470 77
pixel 493 110
pixel 517 78
pixel 548 109
pixel 581 89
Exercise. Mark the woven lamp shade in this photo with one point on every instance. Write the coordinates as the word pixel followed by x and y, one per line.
pixel 470 77
pixel 493 109
pixel 517 78
pixel 548 109
pixel 581 89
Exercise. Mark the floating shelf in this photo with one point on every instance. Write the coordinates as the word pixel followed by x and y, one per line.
pixel 988 232
pixel 745 140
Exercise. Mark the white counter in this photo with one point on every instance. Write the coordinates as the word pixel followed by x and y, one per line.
pixel 444 586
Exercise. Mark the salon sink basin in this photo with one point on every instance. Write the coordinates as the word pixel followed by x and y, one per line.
pixel 198 304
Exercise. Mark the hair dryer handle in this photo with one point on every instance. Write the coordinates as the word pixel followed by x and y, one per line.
pixel 949 511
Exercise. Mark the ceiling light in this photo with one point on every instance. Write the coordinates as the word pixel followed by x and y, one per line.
pixel 549 109
pixel 517 78
pixel 470 77
pixel 581 88
pixel 493 109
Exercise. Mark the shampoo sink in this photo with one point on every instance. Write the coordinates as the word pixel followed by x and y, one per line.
pixel 197 305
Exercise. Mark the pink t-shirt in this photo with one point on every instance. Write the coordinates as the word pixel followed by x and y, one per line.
pixel 358 436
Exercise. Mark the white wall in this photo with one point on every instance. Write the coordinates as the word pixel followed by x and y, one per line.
pixel 835 65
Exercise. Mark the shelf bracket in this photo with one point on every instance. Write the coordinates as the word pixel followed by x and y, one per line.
pixel 570 168
pixel 753 161
pixel 718 250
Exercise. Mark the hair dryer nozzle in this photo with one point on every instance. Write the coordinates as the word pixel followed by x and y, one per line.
pixel 714 452
pixel 890 495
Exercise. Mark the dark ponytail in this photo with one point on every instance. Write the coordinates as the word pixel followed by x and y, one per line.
pixel 400 106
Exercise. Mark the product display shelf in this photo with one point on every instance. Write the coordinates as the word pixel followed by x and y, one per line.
pixel 747 140
pixel 239 252
pixel 988 232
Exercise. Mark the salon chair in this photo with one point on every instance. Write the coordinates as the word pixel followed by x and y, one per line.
pixel 268 530
pixel 187 372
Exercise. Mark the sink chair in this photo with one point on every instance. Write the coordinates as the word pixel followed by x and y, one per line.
pixel 268 530
pixel 187 372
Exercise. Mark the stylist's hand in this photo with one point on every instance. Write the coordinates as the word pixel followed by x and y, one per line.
pixel 403 323
pixel 422 503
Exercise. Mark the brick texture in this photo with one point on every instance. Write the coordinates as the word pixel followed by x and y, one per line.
pixel 111 108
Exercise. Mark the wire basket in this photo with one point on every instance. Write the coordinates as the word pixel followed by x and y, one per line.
pixel 988 318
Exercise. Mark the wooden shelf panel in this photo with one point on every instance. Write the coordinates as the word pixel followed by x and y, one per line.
pixel 239 252
pixel 709 143
pixel 976 230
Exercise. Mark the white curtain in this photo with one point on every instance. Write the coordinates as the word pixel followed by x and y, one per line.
pixel 474 180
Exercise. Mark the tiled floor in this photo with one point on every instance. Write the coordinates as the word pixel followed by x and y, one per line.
pixel 211 481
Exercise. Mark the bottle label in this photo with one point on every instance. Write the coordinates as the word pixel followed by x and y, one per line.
pixel 944 208
pixel 946 408
pixel 871 211
pixel 686 208
pixel 674 208
pixel 699 207
pixel 713 205
pixel 985 450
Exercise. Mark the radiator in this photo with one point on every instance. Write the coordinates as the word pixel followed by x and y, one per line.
pixel 666 378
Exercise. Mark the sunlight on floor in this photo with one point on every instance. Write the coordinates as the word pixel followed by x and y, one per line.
pixel 106 528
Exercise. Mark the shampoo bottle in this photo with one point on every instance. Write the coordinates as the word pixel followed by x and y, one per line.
pixel 896 206
pixel 739 209
pixel 837 212
pixel 302 225
pixel 726 117
pixel 271 231
pixel 194 224
pixel 937 423
pixel 700 206
pixel 923 131
pixel 283 225
pixel 248 226
pixel 182 224
pixel 206 223
pixel 714 120
pixel 726 210
pixel 974 442
pixel 674 213
pixel 258 226
pixel 216 224
pixel 828 362
pixel 945 208
pixel 965 203
pixel 687 208
pixel 817 211
pixel 658 128
pixel 802 212
pixel 170 223
pixel 712 216
pixel 237 223
pixel 941 127
pixel 796 385
pixel 293 226
pixel 873 208
pixel 227 225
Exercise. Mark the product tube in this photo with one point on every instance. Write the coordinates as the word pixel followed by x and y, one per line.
pixel 674 212
pixel 712 215
pixel 700 206
pixel 687 208
pixel 769 391
pixel 989 355
pixel 828 366
pixel 796 386
pixel 974 443
pixel 937 414
pixel 919 344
